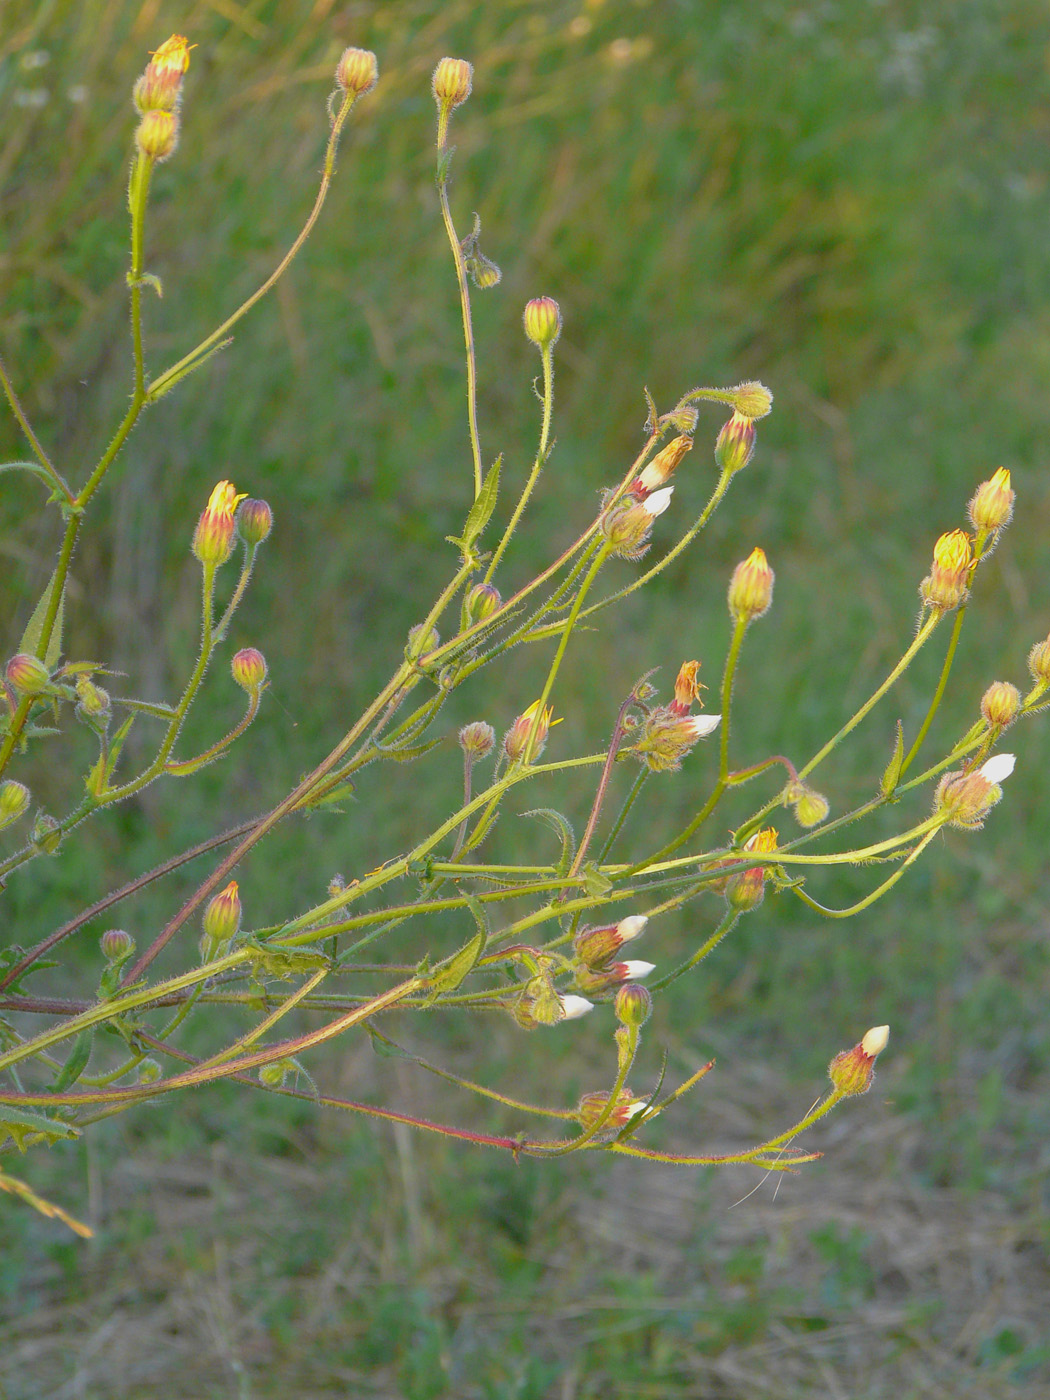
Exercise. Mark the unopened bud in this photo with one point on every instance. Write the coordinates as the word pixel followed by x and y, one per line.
pixel 273 1075
pixel 116 945
pixel 27 674
pixel 421 642
pixel 851 1071
pixel 752 399
pixel 1039 662
pixel 477 739
pixel 528 733
pixel 811 808
pixel 684 418
pixel 633 1005
pixel 542 321
pixel 628 524
pixel 993 502
pixel 357 71
pixel 746 891
pixel 92 701
pixel 149 1071
pixel 222 919
pixel 482 601
pixel 667 736
pixel 14 799
pixel 596 945
pixel 157 134
pixel 601 981
pixel 213 538
pixel 452 82
pixel 944 588
pixel 965 799
pixel 592 1109
pixel 46 834
pixel 751 588
pixel 248 668
pixel 735 444
pixel 1000 705
pixel 160 86
pixel 254 520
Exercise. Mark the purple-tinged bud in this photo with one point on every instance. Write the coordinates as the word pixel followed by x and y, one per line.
pixel 254 520
pixel 477 739
pixel 248 668
pixel 117 946
pixel 529 732
pixel 213 538
pixel 357 71
pixel 633 1005
pixel 735 444
pixel 27 674
pixel 222 919
pixel 595 946
pixel 482 601
pixel 606 980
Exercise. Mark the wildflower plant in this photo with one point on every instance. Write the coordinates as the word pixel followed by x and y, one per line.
pixel 542 943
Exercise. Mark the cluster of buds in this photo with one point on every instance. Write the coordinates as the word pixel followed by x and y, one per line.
pixel 213 537
pixel 357 71
pixel 156 95
pixel 851 1071
pixel 670 731
pixel 221 922
pixel 946 585
pixel 527 736
pixel 594 1108
pixel 992 504
pixel 746 890
pixel 750 588
pixel 965 799
pixel 598 972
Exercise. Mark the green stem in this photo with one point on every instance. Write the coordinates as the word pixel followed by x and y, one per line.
pixel 468 328
pixel 541 457
pixel 729 919
pixel 938 693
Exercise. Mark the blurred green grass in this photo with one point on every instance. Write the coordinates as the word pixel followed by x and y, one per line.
pixel 849 203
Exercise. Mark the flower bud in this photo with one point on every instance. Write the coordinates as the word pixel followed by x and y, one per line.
pixel 752 399
pixel 357 71
pixel 248 668
pixel 452 82
pixel 811 808
pixel 420 642
pixel 851 1071
pixel 735 444
pixel 944 588
pixel 601 981
pixel 27 674
pixel 93 702
pixel 14 799
pixel 1039 662
pixel 657 472
pixel 1000 705
pixel 528 733
pixel 633 1005
pixel 482 601
pixel 222 919
pixel 213 538
pixel 46 835
pixel 149 1071
pixel 993 503
pixel 746 891
pixel 117 946
pixel 628 524
pixel 591 1109
pixel 542 321
pixel 751 588
pixel 684 418
pixel 157 134
pixel 160 86
pixel 594 946
pixel 477 739
pixel 667 736
pixel 965 799
pixel 254 520
pixel 273 1075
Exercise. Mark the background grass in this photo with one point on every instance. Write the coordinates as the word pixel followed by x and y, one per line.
pixel 848 202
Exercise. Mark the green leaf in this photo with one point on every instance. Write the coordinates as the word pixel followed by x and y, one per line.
pixel 77 1063
pixel 167 381
pixel 481 511
pixel 447 976
pixel 281 961
pixel 387 1049
pixel 25 1128
pixel 893 769
pixel 35 629
pixel 116 744
pixel 34 467
pixel 559 825
pixel 594 882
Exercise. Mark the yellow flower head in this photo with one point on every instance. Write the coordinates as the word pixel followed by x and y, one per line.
pixel 993 502
pixel 160 85
pixel 944 587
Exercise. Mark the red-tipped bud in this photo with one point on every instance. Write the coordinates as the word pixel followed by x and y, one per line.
pixel 993 503
pixel 27 674
pixel 851 1071
pixel 746 891
pixel 248 668
pixel 751 588
pixel 160 86
pixel 944 588
pixel 213 538
pixel 14 799
pixel 528 733
pixel 477 740
pixel 658 472
pixel 965 799
pixel 117 946
pixel 222 919
pixel 633 1005
pixel 735 444
pixel 254 520
pixel 357 71
pixel 1000 705
pixel 157 134
pixel 542 321
pixel 482 601
pixel 591 1110
pixel 452 81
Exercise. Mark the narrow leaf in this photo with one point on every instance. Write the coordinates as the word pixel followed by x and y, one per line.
pixel 559 825
pixel 34 467
pixel 481 511
pixel 20 1125
pixel 448 975
pixel 35 629
pixel 893 769
pixel 77 1063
